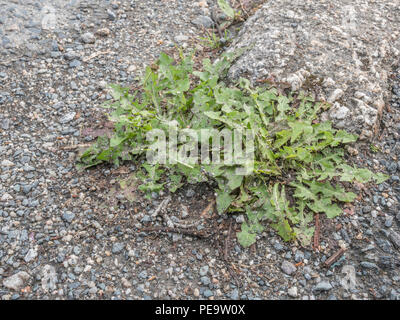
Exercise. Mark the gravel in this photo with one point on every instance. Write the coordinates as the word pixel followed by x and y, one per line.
pixel 69 234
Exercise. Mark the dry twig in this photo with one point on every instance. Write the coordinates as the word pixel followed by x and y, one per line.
pixel 193 233
pixel 94 55
pixel 334 257
pixel 161 206
pixel 207 209
pixel 227 242
pixel 317 232
pixel 73 147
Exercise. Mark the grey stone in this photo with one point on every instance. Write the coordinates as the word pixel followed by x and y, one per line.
pixel 176 237
pixel 68 216
pixel 288 267
pixel 49 278
pixel 190 193
pixel 205 280
pixel 5 124
pixel 58 105
pixel 348 282
pixel 23 236
pixel 184 213
pixel 392 167
pixel 7 163
pixel 388 221
pixel 145 219
pixel 339 112
pixel 104 32
pixel 385 262
pixel 240 219
pixel 16 281
pixel 27 188
pixel 75 63
pixel 181 38
pixel 203 21
pixel 30 255
pixel 74 85
pixel 117 247
pixel 335 95
pixel 368 265
pixel 395 238
pixel 77 250
pixel 28 168
pixel 234 294
pixel 88 37
pixel 111 15
pixel 288 255
pixel 93 290
pixel 278 247
pixel 67 117
pixel 395 178
pixel 292 292
pixel 71 55
pixel 203 270
pixel 55 54
pixel 298 256
pixel 384 244
pixel 208 293
pixel 366 209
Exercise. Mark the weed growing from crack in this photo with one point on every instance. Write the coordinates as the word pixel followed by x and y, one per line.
pixel 298 166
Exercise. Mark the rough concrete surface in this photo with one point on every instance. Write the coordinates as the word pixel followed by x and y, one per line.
pixel 348 48
pixel 69 234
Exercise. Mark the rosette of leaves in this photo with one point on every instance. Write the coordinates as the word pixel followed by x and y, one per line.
pixel 299 167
